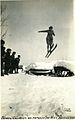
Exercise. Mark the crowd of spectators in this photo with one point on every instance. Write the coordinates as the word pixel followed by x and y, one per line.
pixel 9 63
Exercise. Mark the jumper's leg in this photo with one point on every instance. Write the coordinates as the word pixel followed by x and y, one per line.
pixel 47 47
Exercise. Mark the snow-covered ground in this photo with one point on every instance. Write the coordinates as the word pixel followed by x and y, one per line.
pixel 49 65
pixel 30 95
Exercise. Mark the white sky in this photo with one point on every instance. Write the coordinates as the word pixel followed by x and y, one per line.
pixel 27 17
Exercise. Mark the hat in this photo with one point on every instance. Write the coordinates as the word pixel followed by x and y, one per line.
pixel 8 50
pixel 50 27
pixel 18 55
pixel 2 42
pixel 14 52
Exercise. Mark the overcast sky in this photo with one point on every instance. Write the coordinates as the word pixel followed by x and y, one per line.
pixel 27 17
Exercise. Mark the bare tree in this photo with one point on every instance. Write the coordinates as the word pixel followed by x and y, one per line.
pixel 4 19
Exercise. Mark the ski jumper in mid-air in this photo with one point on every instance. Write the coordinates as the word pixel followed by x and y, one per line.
pixel 49 38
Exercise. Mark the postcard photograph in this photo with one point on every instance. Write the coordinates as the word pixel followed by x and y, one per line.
pixel 37 59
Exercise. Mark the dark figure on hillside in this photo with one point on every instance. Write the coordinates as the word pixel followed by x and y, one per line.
pixel 2 57
pixel 49 38
pixel 7 61
pixel 17 61
pixel 12 62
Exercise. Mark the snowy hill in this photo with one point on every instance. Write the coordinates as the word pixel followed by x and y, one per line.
pixel 44 65
pixel 37 96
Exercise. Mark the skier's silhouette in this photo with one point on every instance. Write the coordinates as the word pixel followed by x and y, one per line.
pixel 49 38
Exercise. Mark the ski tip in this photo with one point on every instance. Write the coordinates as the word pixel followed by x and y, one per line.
pixel 55 44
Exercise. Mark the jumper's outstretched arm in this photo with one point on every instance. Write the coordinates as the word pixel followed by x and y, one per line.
pixel 43 31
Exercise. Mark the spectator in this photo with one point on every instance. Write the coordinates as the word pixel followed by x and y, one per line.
pixel 17 61
pixel 2 56
pixel 7 61
pixel 12 64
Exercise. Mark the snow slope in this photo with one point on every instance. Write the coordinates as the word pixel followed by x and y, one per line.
pixel 45 65
pixel 30 95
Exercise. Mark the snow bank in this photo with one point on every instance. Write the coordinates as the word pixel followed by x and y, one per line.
pixel 45 65
pixel 26 95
